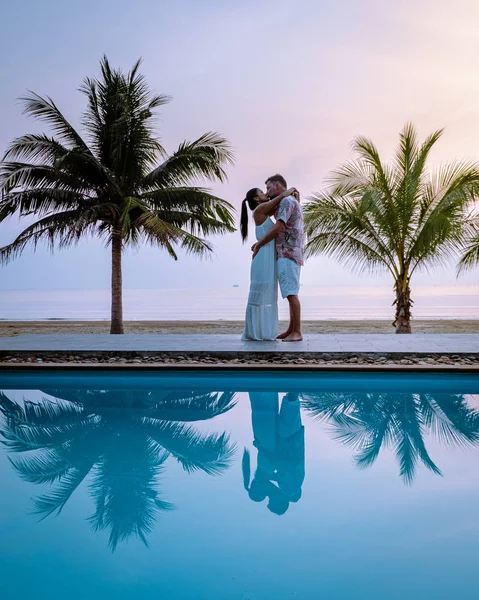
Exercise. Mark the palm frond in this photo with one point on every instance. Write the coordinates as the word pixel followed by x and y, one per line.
pixel 52 413
pixel 205 158
pixel 157 232
pixel 444 212
pixel 450 419
pixel 188 406
pixel 41 425
pixel 65 229
pixel 350 178
pixel 470 255
pixel 55 500
pixel 334 407
pixel 369 154
pixel 37 148
pixel 211 453
pixel 42 201
pixel 45 109
pixel 193 207
pixel 341 227
pixel 41 468
pixel 368 440
pixel 23 176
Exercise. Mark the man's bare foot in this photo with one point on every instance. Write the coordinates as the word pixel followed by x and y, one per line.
pixel 293 337
pixel 281 336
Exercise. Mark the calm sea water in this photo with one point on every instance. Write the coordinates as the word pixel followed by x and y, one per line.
pixel 431 302
pixel 260 487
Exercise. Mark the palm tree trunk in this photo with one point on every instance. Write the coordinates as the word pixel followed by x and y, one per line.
pixel 116 283
pixel 403 303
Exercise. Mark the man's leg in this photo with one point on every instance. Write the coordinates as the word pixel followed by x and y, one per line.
pixel 289 331
pixel 295 320
pixel 284 279
pixel 283 283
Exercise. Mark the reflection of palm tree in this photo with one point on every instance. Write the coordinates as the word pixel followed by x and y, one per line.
pixel 367 422
pixel 121 438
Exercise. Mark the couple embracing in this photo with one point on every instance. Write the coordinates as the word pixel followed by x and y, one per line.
pixel 277 258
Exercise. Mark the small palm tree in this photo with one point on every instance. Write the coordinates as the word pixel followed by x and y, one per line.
pixel 121 440
pixel 117 181
pixel 396 218
pixel 401 421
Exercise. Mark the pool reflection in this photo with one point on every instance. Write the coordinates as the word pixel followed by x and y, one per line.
pixel 369 422
pixel 279 440
pixel 121 439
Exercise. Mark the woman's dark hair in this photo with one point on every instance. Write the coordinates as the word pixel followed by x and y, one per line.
pixel 250 200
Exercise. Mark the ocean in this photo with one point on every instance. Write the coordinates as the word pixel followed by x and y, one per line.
pixel 318 303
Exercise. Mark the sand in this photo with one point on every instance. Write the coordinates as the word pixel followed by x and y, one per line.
pixel 10 328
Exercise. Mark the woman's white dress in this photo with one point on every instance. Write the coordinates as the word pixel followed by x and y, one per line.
pixel 261 321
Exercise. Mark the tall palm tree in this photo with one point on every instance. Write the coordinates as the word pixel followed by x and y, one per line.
pixel 401 421
pixel 121 440
pixel 396 218
pixel 117 181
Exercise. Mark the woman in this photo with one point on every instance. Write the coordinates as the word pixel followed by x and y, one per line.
pixel 261 321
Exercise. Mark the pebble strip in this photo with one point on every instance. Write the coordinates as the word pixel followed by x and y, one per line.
pixel 278 359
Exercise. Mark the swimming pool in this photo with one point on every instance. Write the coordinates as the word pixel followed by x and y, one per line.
pixel 257 486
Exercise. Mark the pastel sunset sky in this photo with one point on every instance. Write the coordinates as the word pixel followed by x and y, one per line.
pixel 290 83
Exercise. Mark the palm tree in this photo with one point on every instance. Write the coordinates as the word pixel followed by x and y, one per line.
pixel 396 218
pixel 117 181
pixel 121 440
pixel 368 422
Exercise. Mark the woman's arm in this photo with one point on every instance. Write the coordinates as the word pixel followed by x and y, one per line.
pixel 267 208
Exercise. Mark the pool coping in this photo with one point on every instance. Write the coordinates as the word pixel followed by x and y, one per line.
pixel 229 345
pixel 366 368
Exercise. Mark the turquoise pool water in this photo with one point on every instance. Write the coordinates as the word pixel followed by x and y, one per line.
pixel 235 486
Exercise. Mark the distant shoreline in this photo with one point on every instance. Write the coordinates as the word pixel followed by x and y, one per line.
pixel 377 326
pixel 190 322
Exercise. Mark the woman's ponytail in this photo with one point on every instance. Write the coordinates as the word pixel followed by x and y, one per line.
pixel 252 202
pixel 244 220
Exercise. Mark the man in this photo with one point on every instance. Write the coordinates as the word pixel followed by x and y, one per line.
pixel 289 234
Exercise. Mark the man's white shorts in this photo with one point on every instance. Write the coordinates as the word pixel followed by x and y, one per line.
pixel 288 277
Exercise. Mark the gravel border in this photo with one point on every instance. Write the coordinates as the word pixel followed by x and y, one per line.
pixel 271 360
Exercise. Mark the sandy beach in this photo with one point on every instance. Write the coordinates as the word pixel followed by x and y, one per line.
pixel 9 328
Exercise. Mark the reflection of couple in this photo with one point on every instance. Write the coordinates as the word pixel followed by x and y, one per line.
pixel 279 440
pixel 277 257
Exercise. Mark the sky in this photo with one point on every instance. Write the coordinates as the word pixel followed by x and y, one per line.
pixel 290 83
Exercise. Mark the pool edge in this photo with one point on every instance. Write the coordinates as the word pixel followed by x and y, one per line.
pixel 369 368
